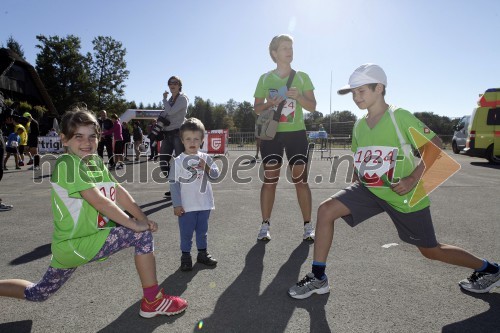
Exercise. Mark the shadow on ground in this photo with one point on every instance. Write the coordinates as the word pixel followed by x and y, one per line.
pixel 37 253
pixel 130 321
pixel 488 321
pixel 241 309
pixel 23 326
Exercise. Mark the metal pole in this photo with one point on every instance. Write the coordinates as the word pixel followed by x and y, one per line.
pixel 331 101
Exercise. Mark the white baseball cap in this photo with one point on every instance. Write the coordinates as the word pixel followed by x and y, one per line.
pixel 364 74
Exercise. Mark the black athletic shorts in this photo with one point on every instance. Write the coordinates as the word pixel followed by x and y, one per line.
pixel 293 143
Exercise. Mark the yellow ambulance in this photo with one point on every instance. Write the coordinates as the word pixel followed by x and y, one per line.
pixel 484 128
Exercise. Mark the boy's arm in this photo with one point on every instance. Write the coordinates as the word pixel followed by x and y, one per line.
pixel 429 152
pixel 109 209
pixel 175 190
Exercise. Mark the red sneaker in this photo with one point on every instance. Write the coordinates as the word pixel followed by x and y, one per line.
pixel 30 162
pixel 162 305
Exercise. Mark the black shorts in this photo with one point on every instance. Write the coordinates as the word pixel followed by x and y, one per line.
pixel 11 150
pixel 118 148
pixel 414 228
pixel 295 145
pixel 33 142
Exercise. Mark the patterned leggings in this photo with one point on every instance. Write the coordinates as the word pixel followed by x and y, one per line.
pixel 119 238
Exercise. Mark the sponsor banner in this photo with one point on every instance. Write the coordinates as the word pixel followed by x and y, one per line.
pixel 50 144
pixel 147 113
pixel 216 142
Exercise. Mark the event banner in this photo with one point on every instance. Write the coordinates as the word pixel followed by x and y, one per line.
pixel 52 144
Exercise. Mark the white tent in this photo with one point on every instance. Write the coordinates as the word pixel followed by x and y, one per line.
pixel 139 114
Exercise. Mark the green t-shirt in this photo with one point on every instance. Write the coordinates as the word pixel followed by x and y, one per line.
pixel 292 118
pixel 79 229
pixel 379 159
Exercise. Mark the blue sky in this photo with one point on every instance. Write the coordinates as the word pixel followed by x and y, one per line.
pixel 438 55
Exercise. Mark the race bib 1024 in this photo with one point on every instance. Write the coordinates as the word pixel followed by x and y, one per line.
pixel 375 165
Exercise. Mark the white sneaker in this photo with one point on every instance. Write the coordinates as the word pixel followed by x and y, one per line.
pixel 308 232
pixel 264 232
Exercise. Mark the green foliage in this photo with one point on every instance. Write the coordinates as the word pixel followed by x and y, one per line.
pixel 24 107
pixel 219 115
pixel 108 73
pixel 438 124
pixel 64 71
pixel 244 117
pixel 15 46
pixel 38 111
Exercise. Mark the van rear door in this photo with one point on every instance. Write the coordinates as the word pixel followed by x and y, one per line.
pixel 493 120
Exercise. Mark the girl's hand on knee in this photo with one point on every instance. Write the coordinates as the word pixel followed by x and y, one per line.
pixel 153 226
pixel 140 226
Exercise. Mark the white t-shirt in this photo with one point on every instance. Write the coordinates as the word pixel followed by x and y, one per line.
pixel 189 183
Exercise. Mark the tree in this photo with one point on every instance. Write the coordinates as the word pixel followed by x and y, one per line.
pixel 219 114
pixel 438 124
pixel 244 118
pixel 231 106
pixel 208 119
pixel 203 110
pixel 64 71
pixel 15 46
pixel 109 73
pixel 132 105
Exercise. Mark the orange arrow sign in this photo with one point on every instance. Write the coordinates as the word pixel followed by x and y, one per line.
pixel 436 171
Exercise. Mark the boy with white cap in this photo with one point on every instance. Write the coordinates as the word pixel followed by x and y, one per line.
pixel 385 181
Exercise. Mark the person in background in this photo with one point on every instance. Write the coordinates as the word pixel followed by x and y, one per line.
pixel 169 123
pixel 106 140
pixel 116 132
pixel 13 143
pixel 137 136
pixel 5 118
pixel 153 144
pixel 52 132
pixel 257 148
pixel 126 138
pixel 24 139
pixel 33 134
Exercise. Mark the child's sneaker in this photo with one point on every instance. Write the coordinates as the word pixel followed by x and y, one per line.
pixel 480 282
pixel 308 232
pixel 162 305
pixel 264 234
pixel 206 258
pixel 309 285
pixel 4 207
pixel 21 163
pixel 186 262
pixel 30 162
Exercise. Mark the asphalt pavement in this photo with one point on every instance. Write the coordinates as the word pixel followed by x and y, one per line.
pixel 375 286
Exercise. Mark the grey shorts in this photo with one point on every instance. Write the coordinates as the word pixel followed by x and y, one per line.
pixel 414 228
